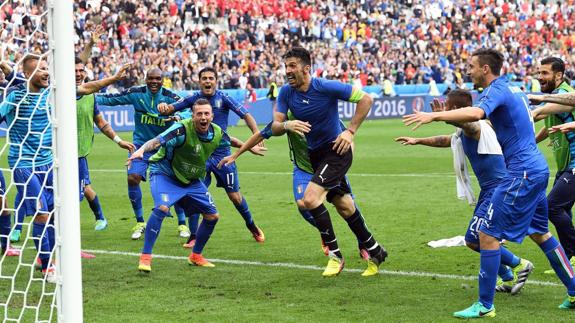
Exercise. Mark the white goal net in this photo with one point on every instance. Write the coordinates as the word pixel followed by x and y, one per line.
pixel 40 270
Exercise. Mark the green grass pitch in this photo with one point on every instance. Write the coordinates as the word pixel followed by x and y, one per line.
pixel 407 195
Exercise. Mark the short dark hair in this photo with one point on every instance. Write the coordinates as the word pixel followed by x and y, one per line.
pixel 460 98
pixel 206 70
pixel 299 52
pixel 491 58
pixel 78 60
pixel 201 101
pixel 557 64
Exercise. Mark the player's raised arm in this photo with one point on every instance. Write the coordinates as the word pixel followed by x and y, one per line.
pixel 95 86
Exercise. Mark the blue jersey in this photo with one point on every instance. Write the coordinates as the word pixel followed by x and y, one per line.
pixel 489 169
pixel 507 107
pixel 30 130
pixel 148 122
pixel 175 137
pixel 221 104
pixel 318 106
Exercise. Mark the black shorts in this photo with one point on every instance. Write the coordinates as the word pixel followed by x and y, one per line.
pixel 330 169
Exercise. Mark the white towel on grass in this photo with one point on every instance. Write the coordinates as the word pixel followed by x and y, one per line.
pixel 451 242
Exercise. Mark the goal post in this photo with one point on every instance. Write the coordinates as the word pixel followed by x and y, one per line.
pixel 67 206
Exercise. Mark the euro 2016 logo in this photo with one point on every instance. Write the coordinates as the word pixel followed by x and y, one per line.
pixel 417 104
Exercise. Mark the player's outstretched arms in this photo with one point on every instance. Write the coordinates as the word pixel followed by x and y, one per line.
pixel 540 113
pixel 459 115
pixel 95 86
pixel 150 145
pixel 564 128
pixel 250 145
pixel 436 141
pixel 562 98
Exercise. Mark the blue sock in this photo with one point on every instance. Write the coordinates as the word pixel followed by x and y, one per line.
pixel 505 272
pixel 135 195
pixel 490 261
pixel 560 263
pixel 193 221
pixel 96 208
pixel 5 225
pixel 508 258
pixel 152 230
pixel 307 216
pixel 41 242
pixel 19 218
pixel 181 215
pixel 51 233
pixel 245 212
pixel 204 232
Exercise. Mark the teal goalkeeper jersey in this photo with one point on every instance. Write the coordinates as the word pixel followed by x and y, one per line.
pixel 27 116
pixel 147 119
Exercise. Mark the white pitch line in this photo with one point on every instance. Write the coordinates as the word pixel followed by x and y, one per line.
pixel 309 267
pixel 289 173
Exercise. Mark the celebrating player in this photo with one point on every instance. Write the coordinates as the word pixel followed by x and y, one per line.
pixel 226 177
pixel 313 102
pixel 88 115
pixel 518 206
pixel 148 124
pixel 27 112
pixel 489 167
pixel 176 174
pixel 562 196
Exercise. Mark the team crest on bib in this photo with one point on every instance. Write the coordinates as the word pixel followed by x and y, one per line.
pixel 165 198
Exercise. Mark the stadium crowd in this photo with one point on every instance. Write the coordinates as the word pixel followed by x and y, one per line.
pixel 357 41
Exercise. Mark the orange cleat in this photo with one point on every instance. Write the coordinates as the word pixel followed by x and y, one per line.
pixel 197 259
pixel 145 264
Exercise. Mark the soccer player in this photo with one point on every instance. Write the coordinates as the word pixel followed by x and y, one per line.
pixel 518 206
pixel 302 171
pixel 27 112
pixel 489 170
pixel 562 196
pixel 226 177
pixel 148 124
pixel 176 173
pixel 88 114
pixel 313 102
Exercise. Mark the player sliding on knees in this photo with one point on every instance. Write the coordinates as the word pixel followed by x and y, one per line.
pixel 489 167
pixel 176 173
pixel 313 101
